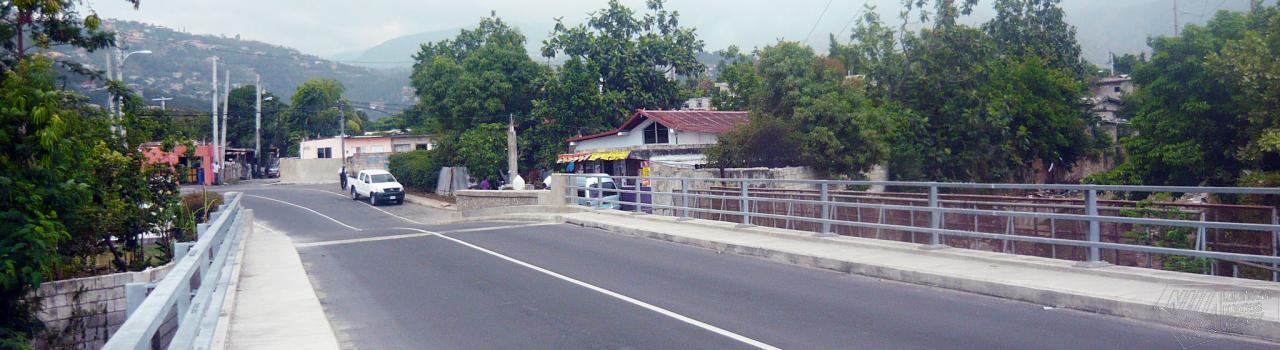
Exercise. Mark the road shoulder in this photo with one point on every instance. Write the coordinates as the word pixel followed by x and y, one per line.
pixel 276 306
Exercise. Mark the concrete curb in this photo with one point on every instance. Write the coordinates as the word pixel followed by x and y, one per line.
pixel 1216 323
pixel 427 202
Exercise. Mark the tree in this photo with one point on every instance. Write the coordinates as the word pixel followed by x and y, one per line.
pixel 571 105
pixel 1037 27
pixel 1127 63
pixel 803 105
pixel 25 25
pixel 481 76
pixel 483 150
pixel 241 110
pixel 479 79
pixel 314 112
pixel 1189 125
pixel 634 55
pixel 1205 110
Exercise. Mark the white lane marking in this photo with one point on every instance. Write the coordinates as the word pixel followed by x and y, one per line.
pixel 307 209
pixel 735 336
pixel 412 235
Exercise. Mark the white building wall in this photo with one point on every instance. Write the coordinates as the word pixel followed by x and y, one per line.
pixel 307 149
pixel 635 137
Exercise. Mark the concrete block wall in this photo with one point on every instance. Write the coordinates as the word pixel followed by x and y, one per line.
pixel 480 199
pixel 294 170
pixel 83 313
pixel 362 161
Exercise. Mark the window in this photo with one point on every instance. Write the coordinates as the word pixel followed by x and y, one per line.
pixel 380 178
pixel 656 133
pixel 324 152
pixel 423 146
pixel 1117 89
pixel 400 148
pixel 377 149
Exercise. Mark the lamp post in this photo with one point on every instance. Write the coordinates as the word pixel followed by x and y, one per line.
pixel 120 77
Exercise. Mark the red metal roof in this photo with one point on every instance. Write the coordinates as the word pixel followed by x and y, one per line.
pixel 711 122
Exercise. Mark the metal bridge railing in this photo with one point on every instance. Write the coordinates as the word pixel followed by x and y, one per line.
pixel 181 311
pixel 741 191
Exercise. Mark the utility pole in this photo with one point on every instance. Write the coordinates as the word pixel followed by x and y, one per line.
pixel 342 132
pixel 226 94
pixel 257 122
pixel 213 122
pixel 1175 17
pixel 511 151
pixel 111 99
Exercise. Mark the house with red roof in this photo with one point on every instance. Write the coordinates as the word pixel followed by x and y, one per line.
pixel 676 137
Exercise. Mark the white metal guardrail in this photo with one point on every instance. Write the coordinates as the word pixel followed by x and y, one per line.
pixel 181 311
pixel 681 196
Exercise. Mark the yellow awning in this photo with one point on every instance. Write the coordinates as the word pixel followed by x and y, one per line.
pixel 610 155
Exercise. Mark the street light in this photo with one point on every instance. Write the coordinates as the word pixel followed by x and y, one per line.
pixel 120 77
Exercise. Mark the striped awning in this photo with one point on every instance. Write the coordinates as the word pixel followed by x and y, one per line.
pixel 572 157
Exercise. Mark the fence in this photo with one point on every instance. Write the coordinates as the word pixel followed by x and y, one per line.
pixel 1232 240
pixel 182 310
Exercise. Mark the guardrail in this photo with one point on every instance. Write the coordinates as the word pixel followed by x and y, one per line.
pixel 744 194
pixel 181 311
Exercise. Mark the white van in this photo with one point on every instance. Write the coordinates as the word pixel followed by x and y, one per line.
pixel 602 188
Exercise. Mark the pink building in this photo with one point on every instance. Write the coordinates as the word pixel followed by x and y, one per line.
pixel 198 163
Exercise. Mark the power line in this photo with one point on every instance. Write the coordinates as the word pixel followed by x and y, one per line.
pixel 815 23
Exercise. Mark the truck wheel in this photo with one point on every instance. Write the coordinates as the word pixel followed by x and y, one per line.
pixel 373 200
pixel 354 195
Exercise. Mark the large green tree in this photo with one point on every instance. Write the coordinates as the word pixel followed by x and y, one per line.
pixel 635 55
pixel 799 100
pixel 1204 113
pixel 484 75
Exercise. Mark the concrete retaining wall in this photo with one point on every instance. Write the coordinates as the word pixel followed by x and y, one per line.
pixel 480 199
pixel 294 170
pixel 82 313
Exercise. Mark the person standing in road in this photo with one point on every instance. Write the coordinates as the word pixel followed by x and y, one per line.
pixel 342 177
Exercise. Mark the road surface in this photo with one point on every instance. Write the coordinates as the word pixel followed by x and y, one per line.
pixel 389 278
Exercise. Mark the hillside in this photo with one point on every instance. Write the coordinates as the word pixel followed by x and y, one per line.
pixel 179 68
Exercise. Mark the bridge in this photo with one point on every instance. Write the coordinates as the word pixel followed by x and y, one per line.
pixel 725 263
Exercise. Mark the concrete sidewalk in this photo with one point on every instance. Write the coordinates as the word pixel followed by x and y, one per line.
pixel 275 305
pixel 1215 304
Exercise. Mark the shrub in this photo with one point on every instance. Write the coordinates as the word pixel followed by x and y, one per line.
pixel 419 169
pixel 199 204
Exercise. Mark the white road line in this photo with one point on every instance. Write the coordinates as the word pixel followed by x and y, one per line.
pixel 411 235
pixel 615 295
pixel 422 233
pixel 307 209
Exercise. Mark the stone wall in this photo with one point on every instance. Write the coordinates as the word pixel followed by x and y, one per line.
pixel 83 313
pixel 479 199
pixel 294 170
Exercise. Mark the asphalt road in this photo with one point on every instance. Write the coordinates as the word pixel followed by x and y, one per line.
pixel 389 279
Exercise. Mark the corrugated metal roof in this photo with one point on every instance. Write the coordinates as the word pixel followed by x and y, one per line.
pixel 712 122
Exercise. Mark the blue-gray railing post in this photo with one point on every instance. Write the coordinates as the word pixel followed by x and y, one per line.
pixel 684 199
pixel 1275 243
pixel 935 217
pixel 134 294
pixel 1095 228
pixel 180 250
pixel 639 196
pixel 746 206
pixel 824 196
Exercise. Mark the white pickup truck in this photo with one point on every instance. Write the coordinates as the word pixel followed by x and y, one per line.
pixel 378 185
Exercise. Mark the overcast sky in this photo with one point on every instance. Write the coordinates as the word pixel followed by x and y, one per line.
pixel 326 27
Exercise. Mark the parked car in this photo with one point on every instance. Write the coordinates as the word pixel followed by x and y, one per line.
pixel 273 171
pixel 601 192
pixel 377 185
